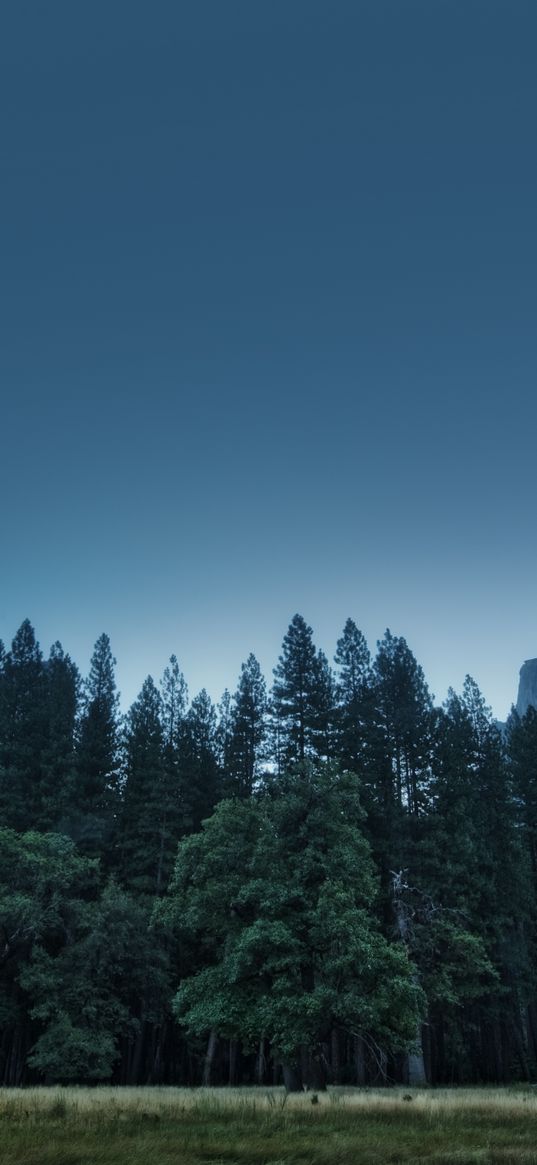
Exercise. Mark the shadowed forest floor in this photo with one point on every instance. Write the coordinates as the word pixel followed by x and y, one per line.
pixel 142 1126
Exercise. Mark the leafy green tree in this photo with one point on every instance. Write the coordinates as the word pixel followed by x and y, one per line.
pixel 276 897
pixel 87 996
pixel 43 881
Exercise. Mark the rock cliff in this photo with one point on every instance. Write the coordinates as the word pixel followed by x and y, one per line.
pixel 527 688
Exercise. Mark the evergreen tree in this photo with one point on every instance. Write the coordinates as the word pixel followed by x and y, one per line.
pixel 522 753
pixel 23 730
pixel 402 718
pixel 174 697
pixel 42 883
pixel 58 783
pixel 245 751
pixel 97 799
pixel 200 770
pixel 174 812
pixel 223 735
pixel 353 693
pixel 302 699
pixel 471 868
pixel 144 807
pixel 522 749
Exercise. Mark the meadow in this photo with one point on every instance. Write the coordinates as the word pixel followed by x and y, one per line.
pixel 171 1126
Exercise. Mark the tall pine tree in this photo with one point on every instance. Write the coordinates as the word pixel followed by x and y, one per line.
pixel 201 774
pixel 353 692
pixel 302 699
pixel 23 731
pixel 58 783
pixel 143 808
pixel 97 800
pixel 245 750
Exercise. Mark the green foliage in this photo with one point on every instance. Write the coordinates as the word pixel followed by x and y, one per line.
pixel 68 1052
pixel 41 876
pixel 86 991
pixel 319 913
pixel 276 895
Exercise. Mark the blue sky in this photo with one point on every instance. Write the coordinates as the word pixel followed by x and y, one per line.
pixel 268 302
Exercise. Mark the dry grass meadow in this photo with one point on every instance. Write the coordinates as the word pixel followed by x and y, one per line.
pixel 173 1126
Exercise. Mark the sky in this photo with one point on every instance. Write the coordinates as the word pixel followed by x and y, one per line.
pixel 268 299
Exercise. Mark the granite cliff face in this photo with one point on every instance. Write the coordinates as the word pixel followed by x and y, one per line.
pixel 527 688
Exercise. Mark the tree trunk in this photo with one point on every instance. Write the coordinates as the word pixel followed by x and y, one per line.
pixel 427 1054
pixel 260 1063
pixel 316 1074
pixel 359 1060
pixel 209 1059
pixel 416 1063
pixel 136 1062
pixel 532 1031
pixel 291 1077
pixel 233 1048
pixel 335 1056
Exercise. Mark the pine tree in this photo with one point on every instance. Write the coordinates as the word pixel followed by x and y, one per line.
pixel 200 770
pixel 353 693
pixel 402 714
pixel 174 703
pixel 522 749
pixel 470 868
pixel 58 783
pixel 97 798
pixel 23 730
pixel 143 808
pixel 522 757
pixel 174 697
pixel 223 734
pixel 245 750
pixel 302 699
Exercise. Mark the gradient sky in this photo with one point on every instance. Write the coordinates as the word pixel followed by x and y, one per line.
pixel 268 312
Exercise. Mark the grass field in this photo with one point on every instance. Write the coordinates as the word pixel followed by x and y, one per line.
pixel 142 1126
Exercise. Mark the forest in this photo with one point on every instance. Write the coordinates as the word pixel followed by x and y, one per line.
pixel 328 880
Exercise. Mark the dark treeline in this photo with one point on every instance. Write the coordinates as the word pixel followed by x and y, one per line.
pixel 334 881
